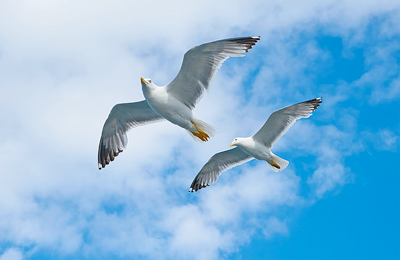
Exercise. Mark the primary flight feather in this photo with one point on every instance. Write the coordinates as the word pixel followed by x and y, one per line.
pixel 257 146
pixel 173 102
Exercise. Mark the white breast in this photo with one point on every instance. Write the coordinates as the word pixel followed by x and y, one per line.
pixel 168 107
pixel 255 149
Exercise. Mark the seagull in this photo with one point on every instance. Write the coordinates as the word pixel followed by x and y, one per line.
pixel 257 146
pixel 173 102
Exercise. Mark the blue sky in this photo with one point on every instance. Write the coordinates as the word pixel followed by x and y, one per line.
pixel 63 65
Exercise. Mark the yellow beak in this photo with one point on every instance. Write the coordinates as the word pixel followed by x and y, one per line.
pixel 231 144
pixel 143 80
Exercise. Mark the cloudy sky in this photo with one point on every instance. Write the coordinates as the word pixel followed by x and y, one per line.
pixel 65 64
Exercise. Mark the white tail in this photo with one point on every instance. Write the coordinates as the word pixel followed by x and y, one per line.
pixel 278 163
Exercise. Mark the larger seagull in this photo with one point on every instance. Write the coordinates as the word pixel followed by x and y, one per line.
pixel 173 102
pixel 257 146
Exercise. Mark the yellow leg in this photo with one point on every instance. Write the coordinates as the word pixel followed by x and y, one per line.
pixel 201 134
pixel 273 163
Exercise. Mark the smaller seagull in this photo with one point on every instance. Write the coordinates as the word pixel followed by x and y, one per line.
pixel 257 146
pixel 173 102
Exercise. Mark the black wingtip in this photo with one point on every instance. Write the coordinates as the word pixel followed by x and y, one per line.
pixel 106 155
pixel 195 186
pixel 316 102
pixel 249 42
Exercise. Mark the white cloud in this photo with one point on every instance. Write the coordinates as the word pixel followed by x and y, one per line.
pixel 391 92
pixel 383 139
pixel 389 139
pixel 326 178
pixel 63 65
pixel 12 254
pixel 381 80
pixel 274 226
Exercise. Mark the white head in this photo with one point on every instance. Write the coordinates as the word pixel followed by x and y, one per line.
pixel 236 141
pixel 146 83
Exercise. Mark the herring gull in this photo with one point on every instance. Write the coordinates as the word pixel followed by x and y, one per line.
pixel 173 102
pixel 257 146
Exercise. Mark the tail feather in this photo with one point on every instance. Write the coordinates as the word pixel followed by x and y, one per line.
pixel 277 164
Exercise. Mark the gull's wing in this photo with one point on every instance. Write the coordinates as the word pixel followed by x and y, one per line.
pixel 121 119
pixel 217 164
pixel 200 65
pixel 281 120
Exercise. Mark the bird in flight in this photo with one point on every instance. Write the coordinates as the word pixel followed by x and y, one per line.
pixel 257 146
pixel 173 102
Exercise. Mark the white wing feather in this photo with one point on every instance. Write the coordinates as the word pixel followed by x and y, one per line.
pixel 281 120
pixel 200 65
pixel 121 119
pixel 217 164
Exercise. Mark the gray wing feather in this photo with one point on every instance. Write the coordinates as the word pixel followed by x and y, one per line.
pixel 121 119
pixel 217 164
pixel 281 120
pixel 200 65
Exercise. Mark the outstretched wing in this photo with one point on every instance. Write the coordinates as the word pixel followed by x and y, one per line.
pixel 281 120
pixel 217 164
pixel 121 119
pixel 200 65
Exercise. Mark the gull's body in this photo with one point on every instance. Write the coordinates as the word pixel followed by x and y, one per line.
pixel 168 107
pixel 257 146
pixel 254 148
pixel 173 102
